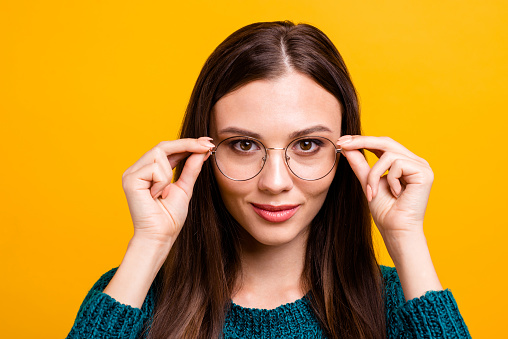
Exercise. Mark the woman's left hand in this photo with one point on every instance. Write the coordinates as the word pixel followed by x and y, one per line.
pixel 398 200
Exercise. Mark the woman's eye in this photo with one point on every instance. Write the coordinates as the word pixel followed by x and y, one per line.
pixel 245 146
pixel 307 145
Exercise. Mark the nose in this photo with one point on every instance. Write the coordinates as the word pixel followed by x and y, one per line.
pixel 275 177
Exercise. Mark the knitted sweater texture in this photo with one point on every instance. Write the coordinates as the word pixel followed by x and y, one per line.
pixel 434 315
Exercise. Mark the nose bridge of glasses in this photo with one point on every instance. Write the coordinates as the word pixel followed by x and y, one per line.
pixel 277 149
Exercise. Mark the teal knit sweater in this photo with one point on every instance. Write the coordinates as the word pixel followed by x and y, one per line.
pixel 434 315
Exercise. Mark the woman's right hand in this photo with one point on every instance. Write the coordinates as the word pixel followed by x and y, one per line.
pixel 157 206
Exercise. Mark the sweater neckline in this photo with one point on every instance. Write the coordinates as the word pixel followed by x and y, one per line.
pixel 299 303
pixel 291 320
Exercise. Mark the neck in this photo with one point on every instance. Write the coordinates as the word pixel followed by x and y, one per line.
pixel 270 276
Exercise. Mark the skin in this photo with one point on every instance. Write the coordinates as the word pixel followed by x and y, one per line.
pixel 397 203
pixel 295 102
pixel 272 255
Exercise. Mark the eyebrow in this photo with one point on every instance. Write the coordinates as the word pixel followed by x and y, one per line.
pixel 239 131
pixel 293 135
pixel 310 130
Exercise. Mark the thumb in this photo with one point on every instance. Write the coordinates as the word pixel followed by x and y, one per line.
pixel 359 165
pixel 190 172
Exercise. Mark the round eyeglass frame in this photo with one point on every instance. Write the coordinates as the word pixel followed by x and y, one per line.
pixel 286 157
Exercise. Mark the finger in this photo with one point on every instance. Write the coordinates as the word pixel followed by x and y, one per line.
pixel 376 145
pixel 161 179
pixel 208 155
pixel 163 161
pixel 169 163
pixel 380 167
pixel 151 176
pixel 190 172
pixel 360 166
pixel 392 178
pixel 165 191
pixel 162 174
pixel 408 172
pixel 171 148
pixel 174 159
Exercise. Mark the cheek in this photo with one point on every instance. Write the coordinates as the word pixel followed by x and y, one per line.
pixel 317 195
pixel 234 192
pixel 230 190
pixel 320 187
pixel 316 191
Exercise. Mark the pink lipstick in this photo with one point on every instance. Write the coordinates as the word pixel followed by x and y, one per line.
pixel 273 213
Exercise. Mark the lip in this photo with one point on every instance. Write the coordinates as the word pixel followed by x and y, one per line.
pixel 274 213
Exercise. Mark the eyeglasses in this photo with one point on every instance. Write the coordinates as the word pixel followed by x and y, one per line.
pixel 241 158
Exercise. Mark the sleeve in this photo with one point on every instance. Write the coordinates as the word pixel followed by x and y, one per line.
pixel 101 316
pixel 433 315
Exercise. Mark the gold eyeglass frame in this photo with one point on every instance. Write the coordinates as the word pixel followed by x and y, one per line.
pixel 266 149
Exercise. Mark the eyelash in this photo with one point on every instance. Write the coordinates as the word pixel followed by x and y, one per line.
pixel 315 147
pixel 235 144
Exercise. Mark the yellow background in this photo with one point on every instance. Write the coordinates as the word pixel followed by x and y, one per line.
pixel 87 87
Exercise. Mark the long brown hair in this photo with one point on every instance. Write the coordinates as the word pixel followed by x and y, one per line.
pixel 341 272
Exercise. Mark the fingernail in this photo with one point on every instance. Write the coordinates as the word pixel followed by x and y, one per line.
pixel 393 192
pixel 344 140
pixel 165 193
pixel 206 143
pixel 369 193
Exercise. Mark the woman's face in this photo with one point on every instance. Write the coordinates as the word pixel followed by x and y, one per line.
pixel 276 207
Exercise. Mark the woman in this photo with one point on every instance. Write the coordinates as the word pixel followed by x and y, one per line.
pixel 266 232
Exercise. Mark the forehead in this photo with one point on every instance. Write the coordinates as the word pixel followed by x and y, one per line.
pixel 278 107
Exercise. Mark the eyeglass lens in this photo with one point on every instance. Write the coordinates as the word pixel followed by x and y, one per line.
pixel 242 158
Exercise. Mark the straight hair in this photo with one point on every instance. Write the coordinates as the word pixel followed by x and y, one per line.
pixel 341 273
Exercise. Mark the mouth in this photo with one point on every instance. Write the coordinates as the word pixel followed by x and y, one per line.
pixel 273 213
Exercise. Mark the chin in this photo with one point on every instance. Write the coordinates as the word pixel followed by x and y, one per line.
pixel 275 234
